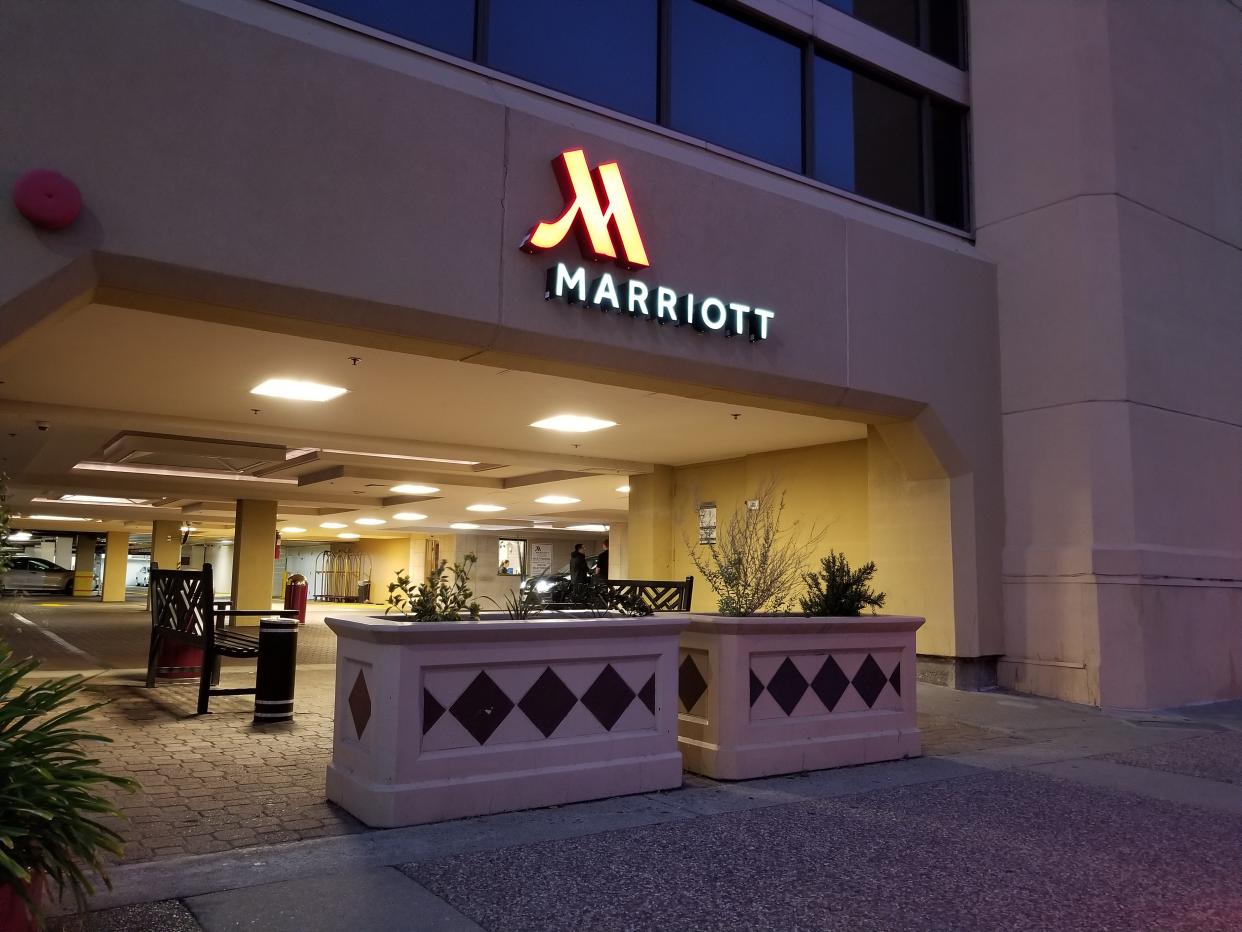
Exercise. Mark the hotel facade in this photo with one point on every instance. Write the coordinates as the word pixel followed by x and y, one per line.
pixel 963 281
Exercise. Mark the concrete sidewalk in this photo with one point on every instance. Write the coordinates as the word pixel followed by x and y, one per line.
pixel 1027 814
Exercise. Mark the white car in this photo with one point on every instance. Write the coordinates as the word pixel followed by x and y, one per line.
pixel 34 574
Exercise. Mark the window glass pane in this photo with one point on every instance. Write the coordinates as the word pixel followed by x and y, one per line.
pixel 948 141
pixel 447 25
pixel 599 50
pixel 867 137
pixel 735 85
pixel 899 18
pixel 944 31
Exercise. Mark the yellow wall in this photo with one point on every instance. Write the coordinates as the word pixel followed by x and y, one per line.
pixel 387 556
pixel 856 496
pixel 825 494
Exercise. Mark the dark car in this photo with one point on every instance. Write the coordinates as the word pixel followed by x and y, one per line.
pixel 34 574
pixel 545 583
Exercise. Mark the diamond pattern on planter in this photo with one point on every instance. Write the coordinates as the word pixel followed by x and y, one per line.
pixel 895 679
pixel 756 687
pixel 870 681
pixel 830 683
pixel 547 702
pixel 608 697
pixel 481 707
pixel 360 704
pixel 787 686
pixel 647 694
pixel 690 683
pixel 432 710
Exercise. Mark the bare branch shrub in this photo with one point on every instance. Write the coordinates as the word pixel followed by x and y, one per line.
pixel 755 563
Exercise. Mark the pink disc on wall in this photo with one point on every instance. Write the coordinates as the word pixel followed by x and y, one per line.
pixel 47 199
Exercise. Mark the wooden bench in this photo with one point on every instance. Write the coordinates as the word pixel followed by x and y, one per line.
pixel 184 610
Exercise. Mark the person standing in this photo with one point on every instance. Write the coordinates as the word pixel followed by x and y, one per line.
pixel 601 562
pixel 577 565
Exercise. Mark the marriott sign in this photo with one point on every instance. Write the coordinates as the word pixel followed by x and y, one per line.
pixel 597 207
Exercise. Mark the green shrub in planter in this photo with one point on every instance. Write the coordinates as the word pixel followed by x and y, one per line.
pixel 839 591
pixel 50 787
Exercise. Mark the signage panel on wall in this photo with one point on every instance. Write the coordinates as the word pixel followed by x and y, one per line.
pixel 540 558
pixel 707 523
pixel 597 206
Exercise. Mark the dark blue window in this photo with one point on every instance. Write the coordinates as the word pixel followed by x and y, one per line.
pixel 599 50
pixel 868 136
pixel 935 26
pixel 447 25
pixel 735 85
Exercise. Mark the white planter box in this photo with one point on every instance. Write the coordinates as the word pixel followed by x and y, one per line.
pixel 443 720
pixel 781 694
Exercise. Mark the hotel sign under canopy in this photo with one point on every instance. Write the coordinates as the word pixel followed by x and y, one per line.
pixel 598 209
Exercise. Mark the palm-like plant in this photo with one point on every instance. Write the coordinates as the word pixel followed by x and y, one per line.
pixel 50 801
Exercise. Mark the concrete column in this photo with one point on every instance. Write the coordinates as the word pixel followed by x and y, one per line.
pixel 650 532
pixel 166 544
pixel 84 565
pixel 254 541
pixel 64 552
pixel 619 550
pixel 116 562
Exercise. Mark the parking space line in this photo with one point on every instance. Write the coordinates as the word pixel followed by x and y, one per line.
pixel 59 641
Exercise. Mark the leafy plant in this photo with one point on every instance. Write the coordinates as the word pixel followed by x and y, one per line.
pixel 838 590
pixel 520 605
pixel 437 599
pixel 754 563
pixel 50 800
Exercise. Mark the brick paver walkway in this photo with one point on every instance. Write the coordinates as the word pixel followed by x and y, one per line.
pixel 217 782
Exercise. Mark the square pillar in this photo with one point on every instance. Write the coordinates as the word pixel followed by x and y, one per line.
pixel 84 565
pixel 116 562
pixel 254 543
pixel 649 537
pixel 166 544
pixel 64 552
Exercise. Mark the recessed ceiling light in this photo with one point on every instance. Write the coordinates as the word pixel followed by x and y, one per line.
pixel 402 456
pixel 410 489
pixel 485 508
pixel 573 423
pixel 623 489
pixel 296 390
pixel 598 528
pixel 371 521
pixel 293 530
pixel 19 536
pixel 464 526
pixel 98 500
pixel 55 518
pixel 348 536
pixel 558 500
pixel 333 525
pixel 408 516
pixel 183 473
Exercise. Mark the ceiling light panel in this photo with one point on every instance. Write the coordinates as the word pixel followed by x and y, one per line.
pixel 558 500
pixel 408 516
pixel 414 489
pixel 485 508
pixel 297 390
pixel 573 423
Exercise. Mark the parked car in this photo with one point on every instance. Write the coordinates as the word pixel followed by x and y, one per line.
pixel 34 574
pixel 546 582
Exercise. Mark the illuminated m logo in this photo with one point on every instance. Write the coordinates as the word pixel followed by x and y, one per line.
pixel 597 204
